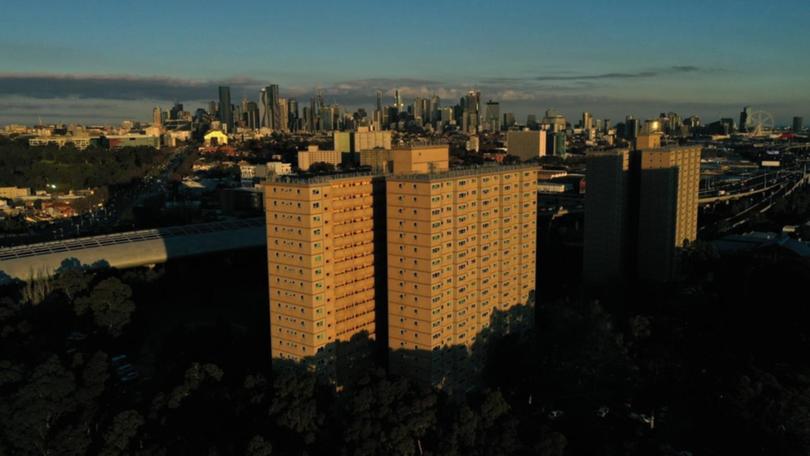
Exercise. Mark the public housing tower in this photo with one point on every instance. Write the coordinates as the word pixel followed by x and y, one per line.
pixel 320 247
pixel 461 246
pixel 433 253
pixel 640 208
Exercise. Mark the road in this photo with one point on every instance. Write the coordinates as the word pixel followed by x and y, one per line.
pixel 111 217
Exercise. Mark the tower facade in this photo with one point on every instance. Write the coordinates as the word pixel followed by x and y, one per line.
pixel 640 208
pixel 225 108
pixel 320 250
pixel 668 207
pixel 461 247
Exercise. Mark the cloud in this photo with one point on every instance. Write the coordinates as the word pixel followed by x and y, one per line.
pixel 583 79
pixel 113 87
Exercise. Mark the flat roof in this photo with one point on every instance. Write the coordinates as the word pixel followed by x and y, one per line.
pixel 465 171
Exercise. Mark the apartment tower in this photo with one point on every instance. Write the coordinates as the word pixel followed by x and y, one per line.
pixel 668 208
pixel 640 208
pixel 321 261
pixel 461 248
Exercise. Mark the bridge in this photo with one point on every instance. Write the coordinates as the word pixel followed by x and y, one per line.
pixel 130 249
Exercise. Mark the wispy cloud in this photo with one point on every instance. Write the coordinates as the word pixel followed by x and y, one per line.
pixel 112 87
pixel 619 75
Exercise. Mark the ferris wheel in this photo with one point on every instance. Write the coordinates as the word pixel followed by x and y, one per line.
pixel 759 123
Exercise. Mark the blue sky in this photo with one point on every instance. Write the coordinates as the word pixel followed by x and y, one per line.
pixel 608 57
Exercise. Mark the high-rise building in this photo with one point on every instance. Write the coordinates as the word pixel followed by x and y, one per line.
pixel 283 115
pixel 320 250
pixel 157 117
pixel 275 107
pixel 418 109
pixel 556 120
pixel 587 121
pixel 668 208
pixel 435 106
pixel 641 207
pixel 631 127
pixel 526 144
pixel 745 118
pixel 797 124
pixel 264 108
pixel 471 111
pixel 269 105
pixel 461 248
pixel 493 116
pixel 292 115
pixel 606 216
pixel 225 108
pixel 176 112
pixel 253 115
pixel 400 107
pixel 560 144
pixel 508 120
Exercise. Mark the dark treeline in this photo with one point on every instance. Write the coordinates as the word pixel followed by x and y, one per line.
pixel 713 366
pixel 69 168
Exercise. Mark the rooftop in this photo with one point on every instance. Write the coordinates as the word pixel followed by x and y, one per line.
pixel 465 171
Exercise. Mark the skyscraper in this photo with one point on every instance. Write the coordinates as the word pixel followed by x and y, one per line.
pixel 471 111
pixel 435 105
pixel 493 115
pixel 745 118
pixel 398 102
pixel 587 121
pixel 292 114
pixel 275 107
pixel 157 117
pixel 461 248
pixel 225 108
pixel 253 115
pixel 797 124
pixel 265 112
pixel 283 115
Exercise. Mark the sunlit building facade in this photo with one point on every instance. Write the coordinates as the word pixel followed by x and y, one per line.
pixel 320 250
pixel 461 246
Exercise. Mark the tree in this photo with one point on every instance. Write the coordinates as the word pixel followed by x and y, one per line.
pixel 110 305
pixel 73 281
pixel 511 160
pixel 124 428
pixel 259 447
pixel 195 376
pixel 385 416
pixel 321 168
pixel 34 417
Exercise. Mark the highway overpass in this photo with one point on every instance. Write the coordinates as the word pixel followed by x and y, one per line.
pixel 130 249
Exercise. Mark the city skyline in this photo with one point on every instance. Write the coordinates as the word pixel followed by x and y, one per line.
pixel 86 65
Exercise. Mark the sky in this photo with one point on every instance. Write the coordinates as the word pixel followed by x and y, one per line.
pixel 106 61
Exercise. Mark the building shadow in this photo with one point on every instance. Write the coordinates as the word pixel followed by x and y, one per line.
pixel 455 369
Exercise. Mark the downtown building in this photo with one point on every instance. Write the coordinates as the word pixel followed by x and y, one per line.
pixel 641 208
pixel 419 263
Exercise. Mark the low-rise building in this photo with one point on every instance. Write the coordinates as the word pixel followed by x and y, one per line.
pixel 314 154
pixel 279 168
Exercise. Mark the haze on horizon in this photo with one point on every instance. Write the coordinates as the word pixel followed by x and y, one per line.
pixel 105 62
